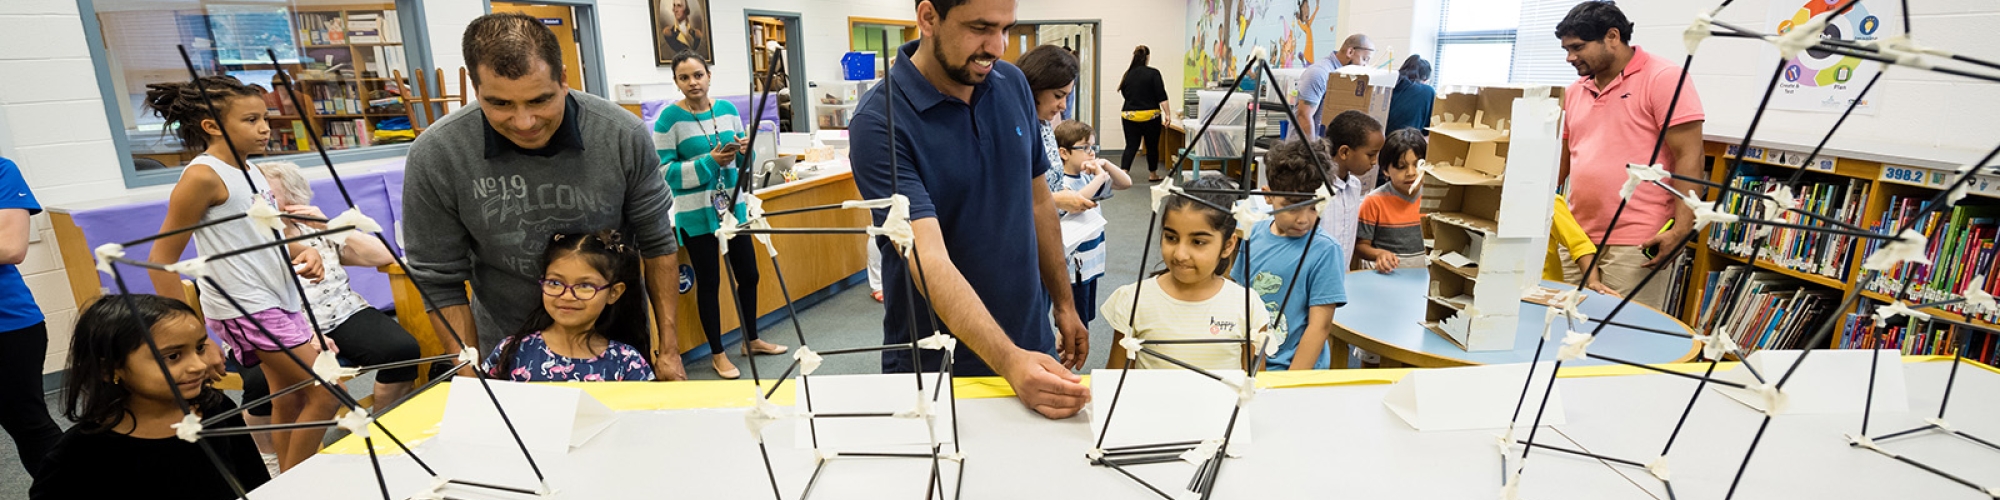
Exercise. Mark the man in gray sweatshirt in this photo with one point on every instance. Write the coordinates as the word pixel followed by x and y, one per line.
pixel 486 186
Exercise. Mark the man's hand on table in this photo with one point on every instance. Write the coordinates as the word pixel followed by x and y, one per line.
pixel 1044 385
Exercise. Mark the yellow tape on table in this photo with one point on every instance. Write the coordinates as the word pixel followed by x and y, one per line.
pixel 417 420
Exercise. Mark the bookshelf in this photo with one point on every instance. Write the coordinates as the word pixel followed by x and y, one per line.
pixel 1874 189
pixel 347 54
pixel 763 29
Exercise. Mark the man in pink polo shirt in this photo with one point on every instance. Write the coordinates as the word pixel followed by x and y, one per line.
pixel 1615 112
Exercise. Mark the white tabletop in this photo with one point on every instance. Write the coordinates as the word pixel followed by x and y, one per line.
pixel 1319 442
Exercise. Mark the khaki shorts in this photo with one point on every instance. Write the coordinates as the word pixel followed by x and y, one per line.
pixel 1622 268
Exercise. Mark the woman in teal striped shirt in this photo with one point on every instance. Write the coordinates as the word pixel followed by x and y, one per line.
pixel 699 139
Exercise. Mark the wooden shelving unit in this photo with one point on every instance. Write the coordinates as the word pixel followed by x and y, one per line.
pixel 1884 182
pixel 338 95
pixel 763 29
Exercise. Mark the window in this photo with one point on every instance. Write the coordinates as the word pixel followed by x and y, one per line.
pixel 1484 42
pixel 343 57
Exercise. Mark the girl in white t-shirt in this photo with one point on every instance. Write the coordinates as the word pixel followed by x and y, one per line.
pixel 1191 299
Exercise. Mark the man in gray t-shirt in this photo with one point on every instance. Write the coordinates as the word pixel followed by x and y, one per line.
pixel 486 186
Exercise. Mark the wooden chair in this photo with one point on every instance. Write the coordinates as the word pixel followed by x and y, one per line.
pixel 230 381
pixel 418 98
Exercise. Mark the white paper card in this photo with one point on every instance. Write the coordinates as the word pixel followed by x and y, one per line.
pixel 549 418
pixel 1166 406
pixel 1472 397
pixel 1456 260
pixel 883 393
pixel 1830 381
pixel 1079 227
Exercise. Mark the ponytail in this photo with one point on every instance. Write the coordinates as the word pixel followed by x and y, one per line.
pixel 184 107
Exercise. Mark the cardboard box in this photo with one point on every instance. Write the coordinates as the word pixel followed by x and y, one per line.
pixel 1488 188
pixel 1357 88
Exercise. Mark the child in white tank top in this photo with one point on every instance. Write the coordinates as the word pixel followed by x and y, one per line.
pixel 250 303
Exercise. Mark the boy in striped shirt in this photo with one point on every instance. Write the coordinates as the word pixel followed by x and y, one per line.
pixel 1084 173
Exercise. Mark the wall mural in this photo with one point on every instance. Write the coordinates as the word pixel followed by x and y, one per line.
pixel 1224 32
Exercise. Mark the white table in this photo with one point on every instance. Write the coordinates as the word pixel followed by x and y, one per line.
pixel 1319 442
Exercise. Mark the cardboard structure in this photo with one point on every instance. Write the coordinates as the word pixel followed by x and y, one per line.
pixel 1487 192
pixel 1357 88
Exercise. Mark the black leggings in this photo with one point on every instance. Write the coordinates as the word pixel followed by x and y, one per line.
pixel 1146 132
pixel 366 338
pixel 22 410
pixel 708 280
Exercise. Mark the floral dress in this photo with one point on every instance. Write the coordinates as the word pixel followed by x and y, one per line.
pixel 535 362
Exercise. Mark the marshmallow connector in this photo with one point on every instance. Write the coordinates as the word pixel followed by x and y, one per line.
pixel 1978 301
pixel 1907 247
pixel 938 341
pixel 356 422
pixel 1897 308
pixel 1247 215
pixel 1717 345
pixel 105 253
pixel 1132 346
pixel 1575 346
pixel 1163 190
pixel 762 414
pixel 1705 212
pixel 263 215
pixel 1636 174
pixel 354 218
pixel 728 226
pixel 189 428
pixel 327 367
pixel 896 226
pixel 1202 452
pixel 809 361
pixel 196 268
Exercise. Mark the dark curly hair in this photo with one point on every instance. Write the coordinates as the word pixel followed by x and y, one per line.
pixel 184 107
pixel 1292 167
pixel 623 321
pixel 1591 21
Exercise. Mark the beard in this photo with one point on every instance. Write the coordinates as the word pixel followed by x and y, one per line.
pixel 959 73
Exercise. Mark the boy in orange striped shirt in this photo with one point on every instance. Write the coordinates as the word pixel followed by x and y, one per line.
pixel 1391 234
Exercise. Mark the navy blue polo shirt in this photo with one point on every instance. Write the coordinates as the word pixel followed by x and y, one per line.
pixel 970 166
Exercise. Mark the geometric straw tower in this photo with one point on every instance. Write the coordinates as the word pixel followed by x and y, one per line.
pixel 1903 247
pixel 325 372
pixel 1208 454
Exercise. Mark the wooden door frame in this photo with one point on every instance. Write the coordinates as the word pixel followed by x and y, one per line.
pixel 589 40
pixel 1096 68
pixel 795 64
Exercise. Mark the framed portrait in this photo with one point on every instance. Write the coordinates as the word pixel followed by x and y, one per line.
pixel 681 26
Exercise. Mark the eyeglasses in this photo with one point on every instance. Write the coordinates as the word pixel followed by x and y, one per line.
pixel 1093 149
pixel 582 291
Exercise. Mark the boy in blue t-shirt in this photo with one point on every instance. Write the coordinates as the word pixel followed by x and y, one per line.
pixel 1280 263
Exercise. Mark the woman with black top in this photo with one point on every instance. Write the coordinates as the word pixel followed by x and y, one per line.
pixel 124 444
pixel 1410 105
pixel 1145 109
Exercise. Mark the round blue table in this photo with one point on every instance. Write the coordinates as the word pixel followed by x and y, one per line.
pixel 1384 315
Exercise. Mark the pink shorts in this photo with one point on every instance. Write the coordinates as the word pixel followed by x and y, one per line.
pixel 240 339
